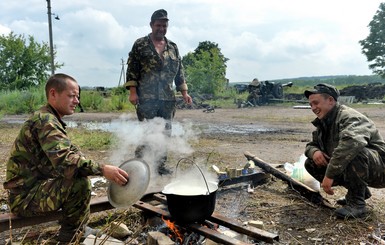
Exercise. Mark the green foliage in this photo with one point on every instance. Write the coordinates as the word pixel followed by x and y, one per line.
pixel 206 69
pixel 338 81
pixel 24 63
pixel 20 102
pixel 373 45
pixel 91 100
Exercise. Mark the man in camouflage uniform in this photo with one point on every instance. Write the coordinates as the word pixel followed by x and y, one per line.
pixel 153 65
pixel 46 172
pixel 346 150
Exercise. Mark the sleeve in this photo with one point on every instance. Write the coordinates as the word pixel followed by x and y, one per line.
pixel 180 80
pixel 133 67
pixel 312 146
pixel 354 135
pixel 66 159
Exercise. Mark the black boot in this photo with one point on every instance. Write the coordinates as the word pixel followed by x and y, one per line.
pixel 356 206
pixel 162 169
pixel 342 201
pixel 141 150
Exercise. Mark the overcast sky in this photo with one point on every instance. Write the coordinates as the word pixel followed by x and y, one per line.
pixel 268 40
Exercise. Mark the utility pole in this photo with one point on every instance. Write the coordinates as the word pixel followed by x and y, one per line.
pixel 50 36
pixel 122 74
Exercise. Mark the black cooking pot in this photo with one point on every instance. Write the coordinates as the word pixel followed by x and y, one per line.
pixel 188 203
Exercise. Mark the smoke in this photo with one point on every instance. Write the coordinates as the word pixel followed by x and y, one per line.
pixel 131 133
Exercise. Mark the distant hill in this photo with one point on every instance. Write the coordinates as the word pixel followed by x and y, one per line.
pixel 340 80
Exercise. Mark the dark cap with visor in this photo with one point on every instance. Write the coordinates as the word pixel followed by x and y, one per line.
pixel 323 88
pixel 160 14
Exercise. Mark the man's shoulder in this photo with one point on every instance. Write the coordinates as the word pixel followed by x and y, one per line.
pixel 141 40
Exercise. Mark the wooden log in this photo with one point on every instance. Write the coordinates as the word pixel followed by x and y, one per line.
pixel 307 192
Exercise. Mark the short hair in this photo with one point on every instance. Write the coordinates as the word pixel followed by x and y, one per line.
pixel 58 82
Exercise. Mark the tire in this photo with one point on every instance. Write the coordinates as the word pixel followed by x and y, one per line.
pixel 278 91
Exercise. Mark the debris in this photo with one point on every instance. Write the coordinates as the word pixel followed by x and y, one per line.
pixel 310 230
pixel 119 230
pixel 250 189
pixel 256 223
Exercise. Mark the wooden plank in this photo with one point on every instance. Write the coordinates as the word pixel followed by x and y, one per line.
pixel 11 221
pixel 256 178
pixel 312 195
pixel 259 234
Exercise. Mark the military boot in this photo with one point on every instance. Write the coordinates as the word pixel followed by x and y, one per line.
pixel 141 150
pixel 162 169
pixel 342 201
pixel 355 207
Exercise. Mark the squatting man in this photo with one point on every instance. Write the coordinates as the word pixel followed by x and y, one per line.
pixel 46 172
pixel 346 150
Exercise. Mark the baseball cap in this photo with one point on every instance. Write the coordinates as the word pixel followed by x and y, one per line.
pixel 323 88
pixel 160 14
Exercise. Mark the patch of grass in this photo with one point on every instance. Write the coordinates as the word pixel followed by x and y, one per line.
pixel 92 139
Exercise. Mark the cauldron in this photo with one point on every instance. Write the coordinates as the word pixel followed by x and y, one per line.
pixel 189 203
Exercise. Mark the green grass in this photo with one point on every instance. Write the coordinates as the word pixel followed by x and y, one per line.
pixel 92 139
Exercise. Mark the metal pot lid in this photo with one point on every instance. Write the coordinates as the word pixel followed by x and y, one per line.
pixel 139 179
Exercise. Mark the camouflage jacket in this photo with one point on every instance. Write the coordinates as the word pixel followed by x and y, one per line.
pixel 342 135
pixel 42 150
pixel 152 77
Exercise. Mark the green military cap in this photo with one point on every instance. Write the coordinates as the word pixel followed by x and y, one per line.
pixel 323 88
pixel 160 14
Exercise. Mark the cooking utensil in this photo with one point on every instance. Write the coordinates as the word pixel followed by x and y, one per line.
pixel 138 180
pixel 188 203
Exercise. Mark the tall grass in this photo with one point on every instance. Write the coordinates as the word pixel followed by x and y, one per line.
pixel 20 102
pixel 27 101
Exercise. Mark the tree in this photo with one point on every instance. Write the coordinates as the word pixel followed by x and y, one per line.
pixel 24 63
pixel 374 44
pixel 206 68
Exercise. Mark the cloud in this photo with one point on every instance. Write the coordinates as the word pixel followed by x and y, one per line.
pixel 267 39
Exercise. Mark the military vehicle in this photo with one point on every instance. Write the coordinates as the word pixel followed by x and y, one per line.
pixel 263 92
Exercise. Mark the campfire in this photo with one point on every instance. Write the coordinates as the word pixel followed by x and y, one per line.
pixel 213 228
pixel 181 236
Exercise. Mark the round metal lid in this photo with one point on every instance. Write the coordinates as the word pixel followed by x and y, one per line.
pixel 139 179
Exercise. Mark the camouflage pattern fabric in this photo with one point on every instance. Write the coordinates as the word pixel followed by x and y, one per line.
pixel 45 172
pixel 152 76
pixel 356 148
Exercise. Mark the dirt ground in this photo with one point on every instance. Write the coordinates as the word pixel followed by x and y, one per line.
pixel 277 134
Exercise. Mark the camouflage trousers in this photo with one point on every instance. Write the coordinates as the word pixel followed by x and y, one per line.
pixel 71 196
pixel 149 109
pixel 367 168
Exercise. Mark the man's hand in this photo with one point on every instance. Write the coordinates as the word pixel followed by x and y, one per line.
pixel 327 185
pixel 320 158
pixel 133 97
pixel 186 97
pixel 115 174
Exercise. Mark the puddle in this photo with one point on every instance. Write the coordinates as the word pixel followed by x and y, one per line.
pixel 114 126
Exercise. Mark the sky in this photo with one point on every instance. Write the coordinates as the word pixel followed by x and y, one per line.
pixel 268 40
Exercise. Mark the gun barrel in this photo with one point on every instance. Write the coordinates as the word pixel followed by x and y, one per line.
pixel 289 84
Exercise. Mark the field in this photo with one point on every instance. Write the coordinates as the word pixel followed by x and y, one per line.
pixel 275 133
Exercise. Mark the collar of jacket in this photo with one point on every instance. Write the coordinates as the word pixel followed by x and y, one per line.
pixel 53 111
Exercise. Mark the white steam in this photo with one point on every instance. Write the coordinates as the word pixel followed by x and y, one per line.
pixel 132 133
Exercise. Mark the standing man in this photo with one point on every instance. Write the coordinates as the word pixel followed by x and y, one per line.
pixel 153 65
pixel 346 150
pixel 46 172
